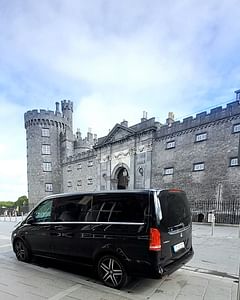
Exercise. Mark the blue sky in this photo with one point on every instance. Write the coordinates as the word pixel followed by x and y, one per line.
pixel 113 59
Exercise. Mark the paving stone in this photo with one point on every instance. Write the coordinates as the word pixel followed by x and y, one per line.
pixel 23 281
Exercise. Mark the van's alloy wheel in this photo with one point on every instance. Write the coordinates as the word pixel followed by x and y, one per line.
pixel 112 272
pixel 22 253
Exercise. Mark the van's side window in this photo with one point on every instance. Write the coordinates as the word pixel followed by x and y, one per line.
pixel 72 209
pixel 119 208
pixel 102 208
pixel 43 212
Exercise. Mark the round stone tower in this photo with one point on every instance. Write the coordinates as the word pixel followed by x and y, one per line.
pixel 43 130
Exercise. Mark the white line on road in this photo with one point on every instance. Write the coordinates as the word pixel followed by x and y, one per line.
pixel 62 294
pixel 6 245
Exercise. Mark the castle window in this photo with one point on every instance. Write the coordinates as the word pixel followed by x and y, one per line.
pixel 236 128
pixel 201 137
pixel 168 171
pixel 233 162
pixel 45 132
pixel 90 181
pixel 79 166
pixel 79 183
pixel 48 187
pixel 90 163
pixel 198 167
pixel 69 168
pixel 170 145
pixel 47 166
pixel 69 184
pixel 46 149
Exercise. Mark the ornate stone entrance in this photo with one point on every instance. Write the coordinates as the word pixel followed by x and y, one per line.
pixel 120 177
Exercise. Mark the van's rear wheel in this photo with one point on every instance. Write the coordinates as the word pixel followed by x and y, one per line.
pixel 112 272
pixel 21 251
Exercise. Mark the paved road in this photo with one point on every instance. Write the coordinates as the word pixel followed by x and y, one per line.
pixel 220 252
pixel 212 274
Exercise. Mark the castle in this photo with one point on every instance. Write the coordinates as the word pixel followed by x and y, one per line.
pixel 199 154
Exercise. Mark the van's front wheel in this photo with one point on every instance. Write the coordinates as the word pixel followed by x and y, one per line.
pixel 22 252
pixel 112 272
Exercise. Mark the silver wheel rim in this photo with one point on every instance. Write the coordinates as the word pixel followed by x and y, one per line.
pixel 20 250
pixel 111 271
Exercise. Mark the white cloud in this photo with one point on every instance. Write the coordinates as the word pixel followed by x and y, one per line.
pixel 114 60
pixel 100 113
pixel 13 182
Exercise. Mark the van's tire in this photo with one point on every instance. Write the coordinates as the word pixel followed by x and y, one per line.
pixel 112 272
pixel 21 251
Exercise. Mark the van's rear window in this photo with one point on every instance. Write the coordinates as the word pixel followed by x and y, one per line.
pixel 175 209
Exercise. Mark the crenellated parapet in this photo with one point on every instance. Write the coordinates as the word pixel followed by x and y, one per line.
pixel 84 144
pixel 218 114
pixel 90 154
pixel 45 118
pixel 67 105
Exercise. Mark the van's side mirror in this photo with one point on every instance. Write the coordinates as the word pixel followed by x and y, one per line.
pixel 30 220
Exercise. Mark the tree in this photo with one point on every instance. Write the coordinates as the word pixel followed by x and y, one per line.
pixel 6 204
pixel 21 201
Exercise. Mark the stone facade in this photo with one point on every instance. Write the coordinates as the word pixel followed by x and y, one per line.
pixel 199 154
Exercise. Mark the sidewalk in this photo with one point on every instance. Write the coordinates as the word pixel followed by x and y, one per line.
pixel 219 253
pixel 211 274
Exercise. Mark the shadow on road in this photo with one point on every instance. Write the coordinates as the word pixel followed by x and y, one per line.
pixel 87 273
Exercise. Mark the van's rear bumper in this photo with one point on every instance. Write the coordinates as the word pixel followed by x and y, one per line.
pixel 172 267
pixel 155 270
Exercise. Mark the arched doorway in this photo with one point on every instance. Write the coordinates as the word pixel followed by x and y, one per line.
pixel 122 179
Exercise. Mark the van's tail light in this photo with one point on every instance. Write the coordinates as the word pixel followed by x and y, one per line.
pixel 155 240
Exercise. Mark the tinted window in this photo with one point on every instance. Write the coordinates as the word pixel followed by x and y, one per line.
pixel 43 212
pixel 72 208
pixel 175 209
pixel 119 208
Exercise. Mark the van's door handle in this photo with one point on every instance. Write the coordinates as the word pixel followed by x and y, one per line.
pixel 47 227
pixel 59 227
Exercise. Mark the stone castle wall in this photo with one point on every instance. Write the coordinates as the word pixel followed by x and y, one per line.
pixel 218 181
pixel 80 172
pixel 142 150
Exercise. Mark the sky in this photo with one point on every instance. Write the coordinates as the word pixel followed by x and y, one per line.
pixel 114 60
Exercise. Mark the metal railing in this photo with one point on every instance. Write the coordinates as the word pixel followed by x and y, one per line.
pixel 227 212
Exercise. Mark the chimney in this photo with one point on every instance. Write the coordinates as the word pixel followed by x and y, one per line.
pixel 144 118
pixel 170 118
pixel 89 135
pixel 124 123
pixel 237 95
pixel 78 134
pixel 57 112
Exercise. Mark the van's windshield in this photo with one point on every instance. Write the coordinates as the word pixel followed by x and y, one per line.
pixel 175 209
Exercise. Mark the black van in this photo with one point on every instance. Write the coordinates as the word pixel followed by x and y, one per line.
pixel 120 233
